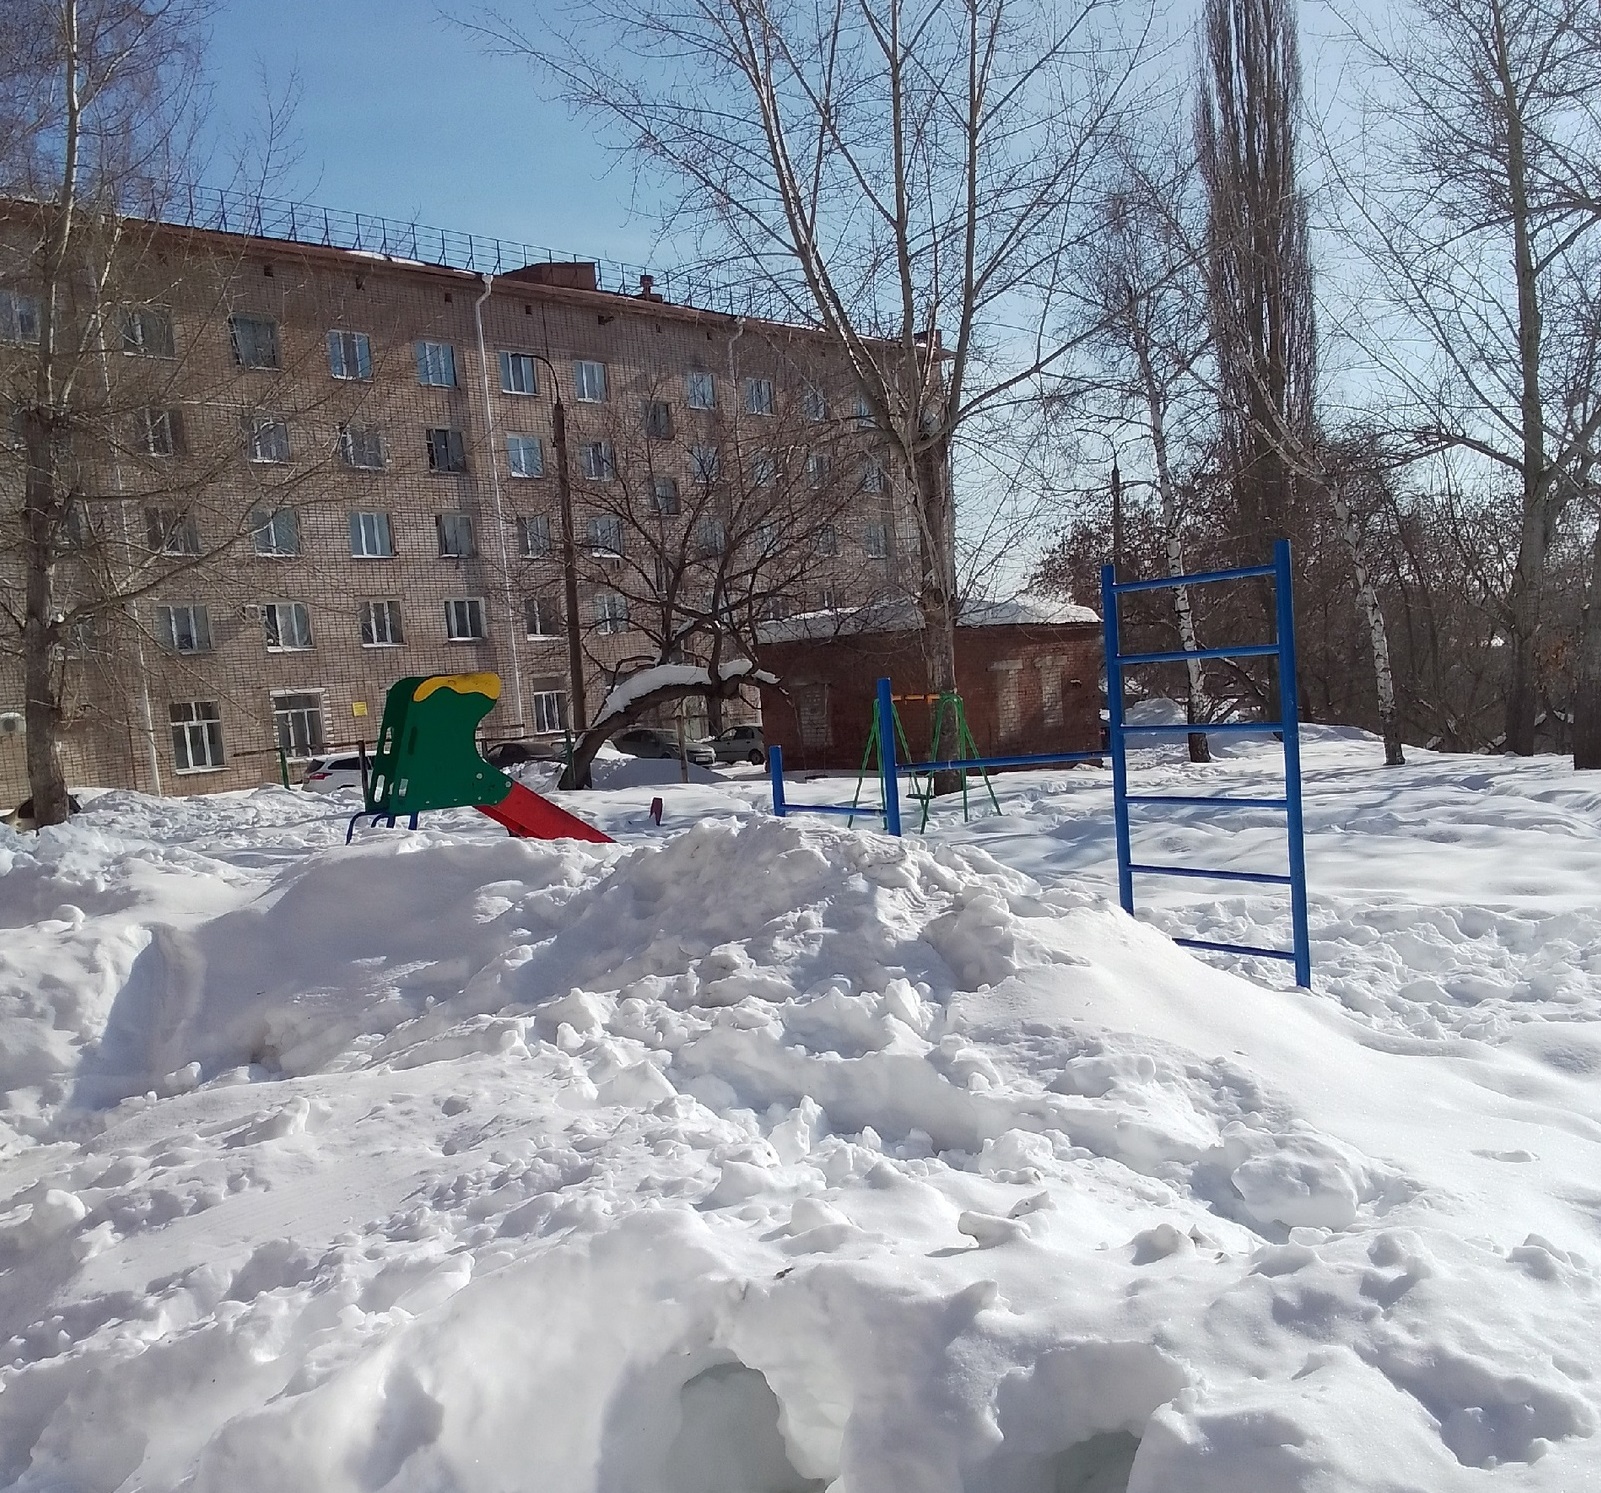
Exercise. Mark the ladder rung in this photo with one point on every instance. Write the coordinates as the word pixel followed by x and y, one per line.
pixel 1222 803
pixel 1234 948
pixel 1224 728
pixel 1203 578
pixel 1210 874
pixel 1178 655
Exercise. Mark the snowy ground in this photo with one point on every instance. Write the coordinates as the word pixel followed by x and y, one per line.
pixel 758 1156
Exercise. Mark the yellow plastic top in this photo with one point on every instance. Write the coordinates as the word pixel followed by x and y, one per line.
pixel 464 684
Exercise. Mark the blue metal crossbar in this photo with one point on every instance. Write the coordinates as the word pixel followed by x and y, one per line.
pixel 979 764
pixel 1288 727
pixel 888 774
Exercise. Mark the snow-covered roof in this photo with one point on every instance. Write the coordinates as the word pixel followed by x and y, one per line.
pixel 905 616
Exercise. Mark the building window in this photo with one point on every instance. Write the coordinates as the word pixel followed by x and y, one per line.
pixel 533 536
pixel 184 629
pixel 275 533
pixel 255 341
pixel 525 455
pixel 811 707
pixel 361 449
pixel 542 616
pixel 380 624
pixel 436 365
pixel 711 537
pixel 1050 692
pixel 464 619
pixel 589 381
pixel 774 609
pixel 599 465
pixel 763 469
pixel 159 432
pixel 664 496
pixel 605 534
pixel 349 355
pixel 875 539
pixel 817 468
pixel 872 476
pixel 704 463
pixel 658 420
pixel 700 391
pixel 815 404
pixel 19 317
pixel 266 438
pixel 298 721
pixel 370 537
pixel 827 540
pixel 550 711
pixel 287 625
pixel 768 536
pixel 170 531
pixel 758 396
pixel 828 599
pixel 862 410
pixel 455 535
pixel 518 374
pixel 611 612
pixel 447 451
pixel 147 331
pixel 196 735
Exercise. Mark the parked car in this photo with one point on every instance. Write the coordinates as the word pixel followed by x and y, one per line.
pixel 330 774
pixel 740 744
pixel 647 741
pixel 511 753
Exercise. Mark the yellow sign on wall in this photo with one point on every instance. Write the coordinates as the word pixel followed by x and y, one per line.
pixel 358 707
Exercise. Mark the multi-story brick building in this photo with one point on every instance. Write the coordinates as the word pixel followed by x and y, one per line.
pixel 321 469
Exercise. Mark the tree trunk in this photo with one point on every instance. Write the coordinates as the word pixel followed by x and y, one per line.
pixel 938 592
pixel 47 782
pixel 1587 696
pixel 1367 602
pixel 1523 624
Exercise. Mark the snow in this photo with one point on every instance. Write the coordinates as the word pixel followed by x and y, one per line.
pixel 757 1156
pixel 674 676
pixel 902 616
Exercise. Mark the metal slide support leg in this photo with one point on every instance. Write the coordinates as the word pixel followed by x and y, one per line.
pixel 1115 740
pixel 889 776
pixel 1290 719
pixel 775 771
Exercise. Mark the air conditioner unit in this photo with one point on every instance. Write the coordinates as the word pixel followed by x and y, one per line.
pixel 11 723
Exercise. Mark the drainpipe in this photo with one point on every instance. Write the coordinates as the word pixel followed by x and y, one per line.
pixel 500 511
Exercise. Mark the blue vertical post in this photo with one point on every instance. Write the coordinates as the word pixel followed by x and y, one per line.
pixel 1114 738
pixel 775 771
pixel 889 778
pixel 1290 720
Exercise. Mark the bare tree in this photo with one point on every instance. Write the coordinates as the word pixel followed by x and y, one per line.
pixel 901 173
pixel 1476 195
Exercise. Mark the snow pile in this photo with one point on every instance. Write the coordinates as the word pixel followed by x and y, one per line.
pixel 759 1157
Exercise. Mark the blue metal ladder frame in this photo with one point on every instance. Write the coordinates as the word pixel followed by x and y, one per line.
pixel 1118 731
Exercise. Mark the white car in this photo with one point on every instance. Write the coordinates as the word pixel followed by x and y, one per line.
pixel 330 774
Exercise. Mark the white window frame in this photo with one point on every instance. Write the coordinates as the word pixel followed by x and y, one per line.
pixel 449 521
pixel 136 339
pixel 392 630
pixel 160 432
pixel 548 709
pixel 196 730
pixel 599 461
pixel 603 535
pixel 525 455
pixel 589 381
pixel 267 437
pixel 361 448
pixel 542 616
pixel 759 398
pixel 436 364
pixel 875 540
pixel 275 533
pixel 196 626
pixel 179 534
pixel 533 536
pixel 274 616
pixel 700 389
pixel 513 368
pixel 465 620
pixel 372 535
pixel 284 720
pixel 454 461
pixel 349 355
pixel 610 612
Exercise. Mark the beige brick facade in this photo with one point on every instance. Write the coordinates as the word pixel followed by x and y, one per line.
pixel 308 617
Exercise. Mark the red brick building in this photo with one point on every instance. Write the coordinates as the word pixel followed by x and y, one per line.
pixel 1029 674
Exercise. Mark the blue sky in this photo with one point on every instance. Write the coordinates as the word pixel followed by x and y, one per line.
pixel 405 116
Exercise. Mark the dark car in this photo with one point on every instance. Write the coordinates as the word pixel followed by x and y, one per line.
pixel 512 753
pixel 647 741
pixel 740 744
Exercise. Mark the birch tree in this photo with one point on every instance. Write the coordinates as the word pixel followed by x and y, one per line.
pixel 1477 193
pixel 904 174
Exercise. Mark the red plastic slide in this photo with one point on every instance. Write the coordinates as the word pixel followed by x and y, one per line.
pixel 531 817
